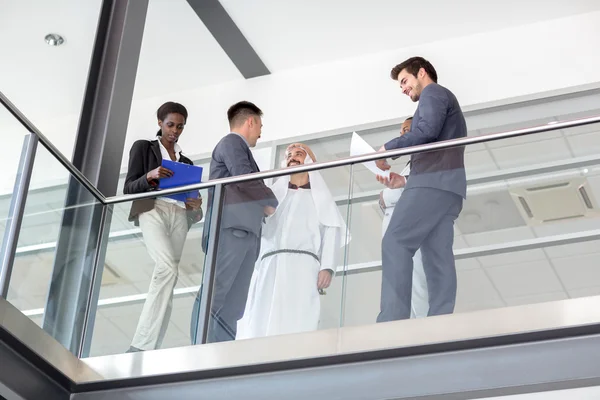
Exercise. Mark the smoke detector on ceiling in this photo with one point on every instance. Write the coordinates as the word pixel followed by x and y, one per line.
pixel 54 39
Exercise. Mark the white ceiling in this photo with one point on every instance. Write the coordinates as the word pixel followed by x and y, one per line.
pixel 178 52
pixel 295 33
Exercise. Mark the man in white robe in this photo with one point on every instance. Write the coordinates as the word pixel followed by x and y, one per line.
pixel 388 198
pixel 299 245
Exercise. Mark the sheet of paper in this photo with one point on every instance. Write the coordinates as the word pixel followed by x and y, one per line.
pixel 358 147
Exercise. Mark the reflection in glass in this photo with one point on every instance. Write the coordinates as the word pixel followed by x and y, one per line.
pixel 40 230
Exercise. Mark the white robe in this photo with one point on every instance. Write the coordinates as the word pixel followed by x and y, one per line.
pixel 283 296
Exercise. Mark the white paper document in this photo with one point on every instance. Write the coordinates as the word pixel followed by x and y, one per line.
pixel 358 147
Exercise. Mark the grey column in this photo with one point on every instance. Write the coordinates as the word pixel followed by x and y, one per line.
pixel 79 260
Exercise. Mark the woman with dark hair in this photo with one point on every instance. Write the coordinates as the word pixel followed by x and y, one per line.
pixel 164 221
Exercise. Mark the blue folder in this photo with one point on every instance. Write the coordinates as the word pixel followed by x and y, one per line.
pixel 183 174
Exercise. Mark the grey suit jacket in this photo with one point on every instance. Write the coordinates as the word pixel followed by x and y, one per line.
pixel 244 203
pixel 438 117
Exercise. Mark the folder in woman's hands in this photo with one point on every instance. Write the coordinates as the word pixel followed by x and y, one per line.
pixel 183 174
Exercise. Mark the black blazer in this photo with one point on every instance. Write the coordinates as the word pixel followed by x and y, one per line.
pixel 145 156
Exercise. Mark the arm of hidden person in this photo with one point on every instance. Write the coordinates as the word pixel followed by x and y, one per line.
pixel 194 216
pixel 136 181
pixel 433 107
pixel 238 163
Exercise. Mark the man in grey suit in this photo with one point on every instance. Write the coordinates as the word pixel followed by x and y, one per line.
pixel 433 196
pixel 244 207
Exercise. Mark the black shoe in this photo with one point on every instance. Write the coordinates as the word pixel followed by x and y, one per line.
pixel 133 350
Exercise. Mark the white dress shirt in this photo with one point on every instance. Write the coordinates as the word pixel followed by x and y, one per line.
pixel 166 156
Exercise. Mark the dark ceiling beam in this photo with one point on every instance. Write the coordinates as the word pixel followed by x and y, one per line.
pixel 229 37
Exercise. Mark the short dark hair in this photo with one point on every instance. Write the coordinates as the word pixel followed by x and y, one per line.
pixel 240 111
pixel 412 66
pixel 408 119
pixel 170 107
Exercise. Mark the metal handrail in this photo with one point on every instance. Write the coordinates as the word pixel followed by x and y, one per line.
pixel 359 159
pixel 289 170
pixel 51 148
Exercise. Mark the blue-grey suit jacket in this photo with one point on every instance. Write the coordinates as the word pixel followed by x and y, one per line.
pixel 243 203
pixel 438 117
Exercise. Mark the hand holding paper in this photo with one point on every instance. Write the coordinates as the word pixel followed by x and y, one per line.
pixel 395 181
pixel 358 147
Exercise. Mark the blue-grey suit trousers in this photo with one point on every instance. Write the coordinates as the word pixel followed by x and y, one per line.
pixel 423 218
pixel 236 255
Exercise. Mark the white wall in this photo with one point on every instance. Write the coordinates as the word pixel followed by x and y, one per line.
pixel 483 68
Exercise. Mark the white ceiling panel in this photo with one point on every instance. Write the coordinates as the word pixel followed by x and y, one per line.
pixel 331 303
pixel 574 249
pixel 467 264
pixel 585 144
pixel 531 153
pixel 567 226
pixel 181 316
pixel 523 139
pixel 31 276
pixel 119 290
pixel 479 162
pixel 578 272
pixel 175 338
pixel 474 147
pixel 498 236
pixel 107 338
pixel 324 31
pixel 20 302
pixel 584 114
pixel 585 292
pixel 536 298
pixel 517 280
pixel 459 242
pixel 517 257
pixel 594 181
pixel 475 291
pixel 125 318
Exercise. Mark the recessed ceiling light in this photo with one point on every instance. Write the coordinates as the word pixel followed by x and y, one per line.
pixel 54 39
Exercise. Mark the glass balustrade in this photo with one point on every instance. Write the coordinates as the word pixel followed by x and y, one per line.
pixel 528 232
pixel 45 215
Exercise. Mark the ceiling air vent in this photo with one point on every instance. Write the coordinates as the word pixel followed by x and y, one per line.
pixel 555 201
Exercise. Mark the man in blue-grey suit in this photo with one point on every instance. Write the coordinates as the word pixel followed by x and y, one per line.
pixel 432 199
pixel 245 206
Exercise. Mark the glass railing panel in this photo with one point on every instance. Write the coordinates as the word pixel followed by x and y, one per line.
pixel 278 247
pixel 528 231
pixel 145 265
pixel 35 264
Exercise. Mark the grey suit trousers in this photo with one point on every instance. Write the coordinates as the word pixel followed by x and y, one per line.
pixel 423 218
pixel 236 255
